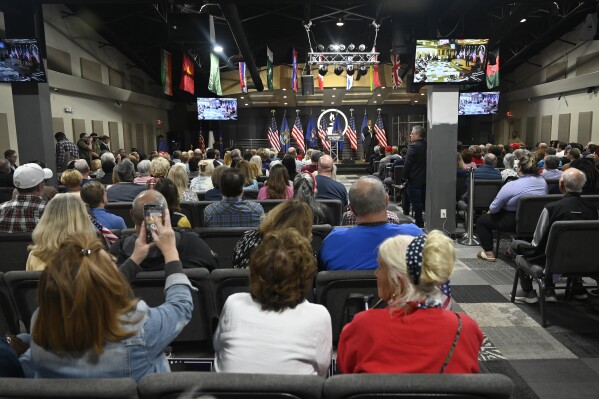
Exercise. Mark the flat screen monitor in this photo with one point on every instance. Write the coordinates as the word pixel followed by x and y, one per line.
pixel 217 109
pixel 21 61
pixel 447 61
pixel 479 103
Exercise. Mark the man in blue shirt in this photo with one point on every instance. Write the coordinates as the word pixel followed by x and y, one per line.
pixel 486 171
pixel 356 248
pixel 94 195
pixel 326 186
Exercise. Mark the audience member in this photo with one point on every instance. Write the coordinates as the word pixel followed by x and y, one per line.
pixel 467 158
pixel 179 177
pixel 232 211
pixel 9 360
pixel 487 170
pixel 355 248
pixel 64 216
pixel 289 214
pixel 257 160
pixel 85 147
pixel 11 156
pixel 125 190
pixel 277 186
pixel 289 335
pixel 203 182
pixel 502 211
pixel 410 274
pixel 143 168
pixel 95 166
pixel 304 190
pixel 509 171
pixel 94 195
pixel 123 336
pixel 328 188
pixel 214 193
pixel 65 151
pixel 414 172
pixel 298 164
pixel 193 251
pixel 167 188
pixel 194 166
pixel 587 166
pixel 6 174
pixel 551 165
pixel 159 170
pixel 83 167
pixel 250 182
pixel 313 165
pixel 571 207
pixel 289 163
pixel 72 180
pixel 477 155
pixel 24 212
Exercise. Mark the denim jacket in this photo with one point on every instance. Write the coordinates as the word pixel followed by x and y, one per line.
pixel 133 357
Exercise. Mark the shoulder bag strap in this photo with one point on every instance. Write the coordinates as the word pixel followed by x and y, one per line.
pixel 455 342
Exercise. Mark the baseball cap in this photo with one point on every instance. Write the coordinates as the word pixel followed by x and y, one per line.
pixel 388 148
pixel 30 175
pixel 515 146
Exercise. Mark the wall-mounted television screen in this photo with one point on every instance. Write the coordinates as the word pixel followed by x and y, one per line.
pixel 217 109
pixel 21 61
pixel 450 61
pixel 478 103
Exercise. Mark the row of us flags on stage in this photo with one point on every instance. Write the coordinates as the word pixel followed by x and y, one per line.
pixel 281 139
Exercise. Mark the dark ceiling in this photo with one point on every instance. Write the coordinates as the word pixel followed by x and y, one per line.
pixel 139 28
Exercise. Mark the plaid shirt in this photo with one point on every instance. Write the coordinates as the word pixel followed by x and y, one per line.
pixel 62 147
pixel 21 214
pixel 233 212
pixel 349 218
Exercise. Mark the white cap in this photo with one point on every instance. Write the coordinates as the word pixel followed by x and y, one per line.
pixel 30 175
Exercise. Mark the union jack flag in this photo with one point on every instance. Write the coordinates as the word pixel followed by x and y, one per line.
pixel 379 129
pixel 351 133
pixel 298 134
pixel 273 135
pixel 395 71
pixel 322 133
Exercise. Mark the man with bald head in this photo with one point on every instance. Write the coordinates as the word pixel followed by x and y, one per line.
pixel 356 248
pixel 193 251
pixel 571 207
pixel 326 186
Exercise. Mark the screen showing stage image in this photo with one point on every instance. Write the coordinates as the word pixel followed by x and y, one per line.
pixel 217 109
pixel 479 103
pixel 20 61
pixel 450 61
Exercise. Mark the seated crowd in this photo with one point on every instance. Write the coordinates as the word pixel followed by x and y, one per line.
pixel 85 266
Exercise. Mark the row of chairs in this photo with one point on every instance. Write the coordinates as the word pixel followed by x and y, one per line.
pixel 272 386
pixel 343 293
pixel 222 241
pixel 195 210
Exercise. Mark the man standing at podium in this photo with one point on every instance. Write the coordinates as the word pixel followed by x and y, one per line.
pixel 368 133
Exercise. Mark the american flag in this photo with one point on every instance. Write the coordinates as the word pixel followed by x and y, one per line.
pixel 109 237
pixel 298 134
pixel 395 71
pixel 202 143
pixel 322 133
pixel 273 135
pixel 379 130
pixel 351 133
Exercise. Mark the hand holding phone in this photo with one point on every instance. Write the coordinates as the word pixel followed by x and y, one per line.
pixel 153 215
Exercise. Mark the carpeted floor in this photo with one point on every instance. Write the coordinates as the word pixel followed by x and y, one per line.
pixel 559 361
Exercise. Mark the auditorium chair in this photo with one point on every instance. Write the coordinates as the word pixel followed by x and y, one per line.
pixel 230 386
pixel 225 282
pixel 397 181
pixel 450 386
pixel 268 204
pixel 336 208
pixel 198 214
pixel 319 233
pixel 9 319
pixel 23 290
pixel 122 209
pixel 222 240
pixel 45 388
pixel 250 194
pixel 570 252
pixel 553 186
pixel 13 247
pixel 344 293
pixel 485 192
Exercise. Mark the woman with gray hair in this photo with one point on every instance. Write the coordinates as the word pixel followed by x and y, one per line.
pixel 509 171
pixel 415 333
pixel 143 168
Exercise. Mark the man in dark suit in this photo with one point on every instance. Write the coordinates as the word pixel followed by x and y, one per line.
pixel 368 144
pixel 414 172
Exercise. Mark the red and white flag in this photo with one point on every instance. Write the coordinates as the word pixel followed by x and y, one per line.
pixel 396 71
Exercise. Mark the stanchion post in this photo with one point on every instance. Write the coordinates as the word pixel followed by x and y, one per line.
pixel 469 238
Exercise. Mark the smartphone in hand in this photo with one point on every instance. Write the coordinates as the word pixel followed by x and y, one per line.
pixel 153 214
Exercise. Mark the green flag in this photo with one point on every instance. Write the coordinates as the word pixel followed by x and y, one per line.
pixel 269 69
pixel 214 81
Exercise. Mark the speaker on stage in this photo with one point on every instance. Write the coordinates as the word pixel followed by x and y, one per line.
pixel 307 85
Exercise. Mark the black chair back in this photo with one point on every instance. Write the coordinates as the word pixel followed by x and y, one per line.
pixel 593 199
pixel 571 248
pixel 225 282
pixel 269 204
pixel 336 209
pixel 13 247
pixel 398 175
pixel 122 209
pixel 222 241
pixel 553 186
pixel 23 290
pixel 250 194
pixel 485 192
pixel 319 233
pixel 9 319
pixel 97 388
pixel 199 212
pixel 528 212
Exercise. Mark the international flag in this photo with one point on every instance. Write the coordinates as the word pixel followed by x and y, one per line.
pixel 284 134
pixel 202 143
pixel 321 74
pixel 349 71
pixel 273 134
pixel 338 129
pixel 187 75
pixel 396 71
pixel 214 80
pixel 294 77
pixel 379 130
pixel 351 133
pixel 269 58
pixel 166 72
pixel 364 125
pixel 243 83
pixel 298 134
pixel 493 69
pixel 322 133
pixel 350 82
pixel 311 133
pixel 210 139
pixel 375 82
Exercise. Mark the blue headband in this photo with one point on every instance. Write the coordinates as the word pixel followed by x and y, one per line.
pixel 414 257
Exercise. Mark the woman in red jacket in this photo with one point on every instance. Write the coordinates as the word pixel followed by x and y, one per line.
pixel 415 333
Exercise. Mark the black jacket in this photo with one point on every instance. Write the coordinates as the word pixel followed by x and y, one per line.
pixel 414 169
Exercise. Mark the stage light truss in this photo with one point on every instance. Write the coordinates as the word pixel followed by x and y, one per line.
pixel 343 58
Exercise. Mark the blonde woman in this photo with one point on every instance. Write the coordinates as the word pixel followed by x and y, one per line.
pixel 72 179
pixel 178 175
pixel 415 333
pixel 64 215
pixel 203 182
pixel 250 178
pixel 228 158
pixel 158 170
pixel 257 160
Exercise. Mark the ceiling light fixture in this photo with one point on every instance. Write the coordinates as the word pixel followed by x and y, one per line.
pixel 218 49
pixel 247 104
pixel 333 95
pixel 284 89
pixel 523 20
pixel 242 97
pixel 340 22
pixel 415 101
pixel 284 96
pixel 285 103
pixel 338 70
